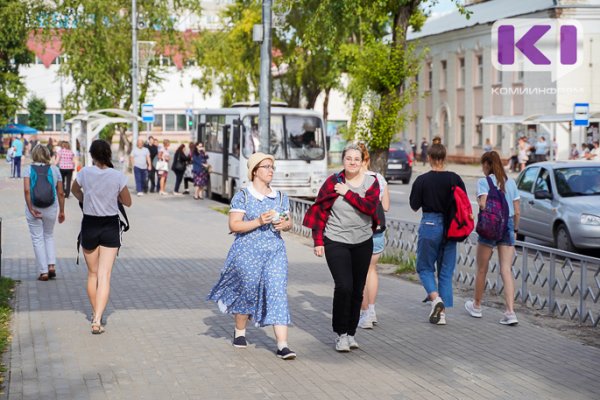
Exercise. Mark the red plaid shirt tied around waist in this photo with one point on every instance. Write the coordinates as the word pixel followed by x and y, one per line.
pixel 317 215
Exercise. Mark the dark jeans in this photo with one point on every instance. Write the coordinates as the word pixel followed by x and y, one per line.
pixel 152 180
pixel 141 175
pixel 178 179
pixel 349 264
pixel 66 174
pixel 187 181
pixel 16 172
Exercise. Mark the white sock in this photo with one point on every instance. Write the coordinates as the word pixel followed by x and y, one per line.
pixel 281 345
pixel 372 308
pixel 240 332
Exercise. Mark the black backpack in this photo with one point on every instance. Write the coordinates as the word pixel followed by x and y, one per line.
pixel 42 186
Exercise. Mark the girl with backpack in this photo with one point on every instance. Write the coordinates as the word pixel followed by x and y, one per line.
pixel 100 188
pixel 436 256
pixel 45 199
pixel 491 164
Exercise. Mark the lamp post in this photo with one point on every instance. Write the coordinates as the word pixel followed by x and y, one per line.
pixel 264 117
pixel 134 69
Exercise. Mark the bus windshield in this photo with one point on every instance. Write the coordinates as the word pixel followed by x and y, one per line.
pixel 292 137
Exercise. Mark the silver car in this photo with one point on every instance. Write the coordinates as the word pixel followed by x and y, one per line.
pixel 560 203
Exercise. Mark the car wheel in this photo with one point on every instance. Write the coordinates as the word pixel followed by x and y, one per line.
pixel 562 239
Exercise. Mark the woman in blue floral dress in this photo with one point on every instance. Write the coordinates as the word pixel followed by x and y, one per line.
pixel 199 170
pixel 253 282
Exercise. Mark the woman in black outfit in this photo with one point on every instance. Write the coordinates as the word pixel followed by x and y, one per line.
pixel 180 160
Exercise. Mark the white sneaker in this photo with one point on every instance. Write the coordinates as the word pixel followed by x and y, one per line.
pixel 442 320
pixel 352 343
pixel 437 308
pixel 470 307
pixel 341 344
pixel 373 316
pixel 140 194
pixel 509 318
pixel 177 194
pixel 365 321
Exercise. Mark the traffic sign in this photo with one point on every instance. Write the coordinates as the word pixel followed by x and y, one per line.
pixel 148 113
pixel 189 112
pixel 581 114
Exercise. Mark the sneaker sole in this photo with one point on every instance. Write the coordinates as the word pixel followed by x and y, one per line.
pixel 288 357
pixel 354 347
pixel 343 351
pixel 434 318
pixel 366 326
pixel 471 314
pixel 238 346
pixel 509 323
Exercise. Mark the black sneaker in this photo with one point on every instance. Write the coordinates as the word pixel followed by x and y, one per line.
pixel 286 354
pixel 240 342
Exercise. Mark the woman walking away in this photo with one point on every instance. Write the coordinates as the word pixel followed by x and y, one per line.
pixel 492 168
pixel 44 197
pixel 432 192
pixel 253 282
pixel 100 188
pixel 66 165
pixel 180 160
pixel 342 220
pixel 200 170
pixel 162 167
pixel 368 317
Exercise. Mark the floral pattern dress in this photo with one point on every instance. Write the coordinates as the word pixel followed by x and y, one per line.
pixel 199 171
pixel 254 278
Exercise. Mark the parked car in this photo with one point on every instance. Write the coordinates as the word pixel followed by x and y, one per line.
pixel 399 165
pixel 560 203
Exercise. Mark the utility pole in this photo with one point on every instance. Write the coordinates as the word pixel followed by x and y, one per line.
pixel 264 117
pixel 134 70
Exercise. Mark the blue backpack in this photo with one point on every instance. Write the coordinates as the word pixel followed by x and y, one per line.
pixel 42 186
pixel 493 219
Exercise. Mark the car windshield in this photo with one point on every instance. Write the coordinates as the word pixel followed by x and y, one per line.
pixel 396 153
pixel 292 137
pixel 578 181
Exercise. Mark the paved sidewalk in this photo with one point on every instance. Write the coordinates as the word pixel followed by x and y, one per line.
pixel 163 341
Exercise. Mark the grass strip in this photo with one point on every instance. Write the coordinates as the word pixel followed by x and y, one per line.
pixel 7 288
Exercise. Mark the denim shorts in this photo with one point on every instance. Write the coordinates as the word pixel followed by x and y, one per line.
pixel 378 242
pixel 508 239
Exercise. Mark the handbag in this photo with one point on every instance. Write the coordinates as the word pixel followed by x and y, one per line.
pixel 188 171
pixel 162 165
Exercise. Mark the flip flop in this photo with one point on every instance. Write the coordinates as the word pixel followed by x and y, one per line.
pixel 43 277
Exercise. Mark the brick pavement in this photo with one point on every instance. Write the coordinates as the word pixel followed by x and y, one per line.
pixel 163 341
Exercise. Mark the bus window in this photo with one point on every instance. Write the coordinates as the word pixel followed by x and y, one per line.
pixel 305 138
pixel 276 139
pixel 213 135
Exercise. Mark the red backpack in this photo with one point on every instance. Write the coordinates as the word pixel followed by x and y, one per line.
pixel 461 223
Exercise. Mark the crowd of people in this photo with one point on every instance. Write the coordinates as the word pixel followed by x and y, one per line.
pixel 347 221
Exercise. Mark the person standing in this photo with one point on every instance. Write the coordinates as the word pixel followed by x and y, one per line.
pixel 152 147
pixel 50 147
pixel 432 193
pixel 487 146
pixel 595 151
pixel 574 153
pixel 413 148
pixel 492 168
pixel 100 188
pixel 343 219
pixel 368 316
pixel 140 159
pixel 541 148
pixel 424 148
pixel 162 166
pixel 200 170
pixel 253 282
pixel 66 165
pixel 522 156
pixel 17 144
pixel 188 175
pixel 180 161
pixel 41 211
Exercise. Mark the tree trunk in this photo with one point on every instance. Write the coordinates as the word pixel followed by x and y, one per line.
pixel 379 160
pixel 326 106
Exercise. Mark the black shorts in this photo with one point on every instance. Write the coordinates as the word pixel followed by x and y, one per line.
pixel 100 231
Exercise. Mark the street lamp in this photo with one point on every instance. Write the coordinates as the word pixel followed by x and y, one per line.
pixel 134 69
pixel 262 33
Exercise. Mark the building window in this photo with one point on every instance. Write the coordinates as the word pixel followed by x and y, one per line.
pixel 181 123
pixel 479 70
pixel 165 61
pixel 461 125
pixel 461 72
pixel 520 75
pixel 499 136
pixel 430 128
pixel 478 132
pixel 429 76
pixel 443 75
pixel 58 123
pixel 498 76
pixel 49 122
pixel 23 119
pixel 170 122
pixel 158 123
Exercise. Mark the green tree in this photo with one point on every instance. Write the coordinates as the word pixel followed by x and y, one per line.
pixel 96 41
pixel 37 109
pixel 14 30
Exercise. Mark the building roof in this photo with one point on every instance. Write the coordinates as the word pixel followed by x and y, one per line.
pixel 482 13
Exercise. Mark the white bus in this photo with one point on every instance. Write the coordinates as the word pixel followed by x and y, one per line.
pixel 297 141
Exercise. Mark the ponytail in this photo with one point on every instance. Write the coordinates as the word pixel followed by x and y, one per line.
pixel 493 161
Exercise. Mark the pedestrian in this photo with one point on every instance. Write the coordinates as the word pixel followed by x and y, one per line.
pixel 253 282
pixel 424 148
pixel 200 170
pixel 487 146
pixel 100 188
pixel 188 175
pixel 50 147
pixel 413 148
pixel 368 316
pixel 574 153
pixel 436 140
pixel 162 166
pixel 343 219
pixel 180 161
pixel 585 151
pixel 45 200
pixel 66 165
pixel 140 159
pixel 522 156
pixel 17 144
pixel 492 168
pixel 432 192
pixel 152 147
pixel 541 148
pixel 595 151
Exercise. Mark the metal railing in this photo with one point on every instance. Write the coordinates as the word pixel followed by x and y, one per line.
pixel 561 283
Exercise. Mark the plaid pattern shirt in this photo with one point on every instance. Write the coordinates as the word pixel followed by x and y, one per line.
pixel 317 215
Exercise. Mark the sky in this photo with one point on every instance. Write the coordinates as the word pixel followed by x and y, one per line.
pixel 443 6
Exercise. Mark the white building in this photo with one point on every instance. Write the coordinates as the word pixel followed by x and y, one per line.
pixel 459 87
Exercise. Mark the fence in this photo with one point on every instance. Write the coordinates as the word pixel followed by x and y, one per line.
pixel 561 283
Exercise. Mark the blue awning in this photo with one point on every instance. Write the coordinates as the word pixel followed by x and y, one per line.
pixel 16 129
